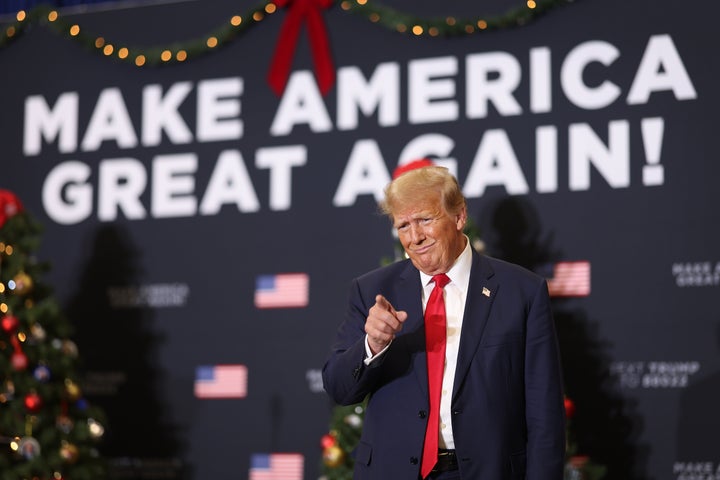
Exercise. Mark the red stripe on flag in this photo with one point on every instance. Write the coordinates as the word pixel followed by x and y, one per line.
pixel 570 279
pixel 221 381
pixel 277 466
pixel 283 290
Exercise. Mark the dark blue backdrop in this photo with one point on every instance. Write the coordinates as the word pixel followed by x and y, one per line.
pixel 597 144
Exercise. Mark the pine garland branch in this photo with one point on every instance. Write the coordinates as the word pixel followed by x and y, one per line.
pixel 179 52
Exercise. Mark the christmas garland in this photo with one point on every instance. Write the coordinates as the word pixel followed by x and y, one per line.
pixel 178 52
pixel 404 22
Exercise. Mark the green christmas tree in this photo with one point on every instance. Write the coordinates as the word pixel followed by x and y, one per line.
pixel 48 431
pixel 578 466
pixel 340 441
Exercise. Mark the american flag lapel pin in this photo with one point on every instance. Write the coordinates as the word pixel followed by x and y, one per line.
pixel 486 292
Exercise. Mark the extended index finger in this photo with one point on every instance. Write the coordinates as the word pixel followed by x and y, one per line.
pixel 383 303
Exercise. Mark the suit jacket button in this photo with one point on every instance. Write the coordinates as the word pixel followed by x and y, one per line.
pixel 414 460
pixel 422 414
pixel 456 412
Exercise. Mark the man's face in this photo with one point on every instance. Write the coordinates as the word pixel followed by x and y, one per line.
pixel 431 237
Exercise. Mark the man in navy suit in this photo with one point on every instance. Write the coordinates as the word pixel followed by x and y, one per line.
pixel 501 411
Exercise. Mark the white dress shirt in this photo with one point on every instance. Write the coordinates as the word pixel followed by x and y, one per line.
pixel 455 296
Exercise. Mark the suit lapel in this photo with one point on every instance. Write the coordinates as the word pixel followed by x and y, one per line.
pixel 482 290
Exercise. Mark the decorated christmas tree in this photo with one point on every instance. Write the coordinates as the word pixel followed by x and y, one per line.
pixel 48 431
pixel 578 466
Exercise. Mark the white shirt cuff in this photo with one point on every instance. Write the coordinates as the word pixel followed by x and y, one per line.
pixel 368 353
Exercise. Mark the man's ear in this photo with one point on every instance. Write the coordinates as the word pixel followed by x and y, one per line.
pixel 461 219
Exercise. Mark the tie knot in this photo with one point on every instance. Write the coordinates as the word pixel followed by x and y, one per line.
pixel 441 280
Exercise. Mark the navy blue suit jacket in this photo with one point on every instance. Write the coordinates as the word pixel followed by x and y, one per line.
pixel 507 405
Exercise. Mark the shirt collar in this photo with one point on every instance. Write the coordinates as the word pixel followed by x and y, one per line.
pixel 459 273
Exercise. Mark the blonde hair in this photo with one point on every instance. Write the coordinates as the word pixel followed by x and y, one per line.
pixel 416 185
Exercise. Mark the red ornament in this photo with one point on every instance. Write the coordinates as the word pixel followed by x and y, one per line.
pixel 10 323
pixel 569 408
pixel 423 162
pixel 9 205
pixel 579 461
pixel 327 441
pixel 33 402
pixel 19 361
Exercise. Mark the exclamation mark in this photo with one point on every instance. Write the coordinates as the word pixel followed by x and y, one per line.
pixel 652 133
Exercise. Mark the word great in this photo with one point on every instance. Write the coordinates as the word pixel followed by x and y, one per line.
pixel 133 179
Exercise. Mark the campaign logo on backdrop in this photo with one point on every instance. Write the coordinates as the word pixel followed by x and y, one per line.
pixel 314 380
pixel 105 383
pixel 283 290
pixel 146 467
pixel 276 466
pixel 221 381
pixel 569 279
pixel 696 470
pixel 696 274
pixel 654 374
pixel 153 295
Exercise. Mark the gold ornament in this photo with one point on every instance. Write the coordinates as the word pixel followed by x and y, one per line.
pixel 72 389
pixel 23 283
pixel 7 392
pixel 69 348
pixel 69 452
pixel 333 456
pixel 37 331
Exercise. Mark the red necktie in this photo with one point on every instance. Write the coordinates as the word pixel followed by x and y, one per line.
pixel 435 346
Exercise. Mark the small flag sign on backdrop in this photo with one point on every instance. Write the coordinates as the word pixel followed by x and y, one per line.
pixel 221 381
pixel 276 466
pixel 284 290
pixel 570 279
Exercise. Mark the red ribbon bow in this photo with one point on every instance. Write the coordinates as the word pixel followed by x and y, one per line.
pixel 300 11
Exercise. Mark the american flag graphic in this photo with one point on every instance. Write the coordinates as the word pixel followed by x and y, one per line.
pixel 284 290
pixel 570 279
pixel 221 381
pixel 276 466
